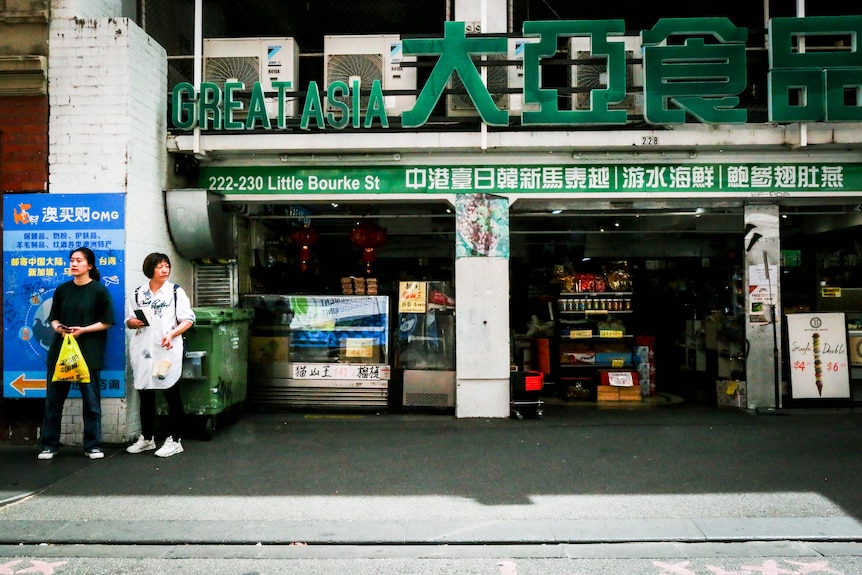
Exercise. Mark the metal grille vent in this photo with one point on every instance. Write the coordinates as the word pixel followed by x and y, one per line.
pixel 427 400
pixel 215 284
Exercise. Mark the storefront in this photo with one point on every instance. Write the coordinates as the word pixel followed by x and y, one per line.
pixel 672 274
pixel 662 239
pixel 726 192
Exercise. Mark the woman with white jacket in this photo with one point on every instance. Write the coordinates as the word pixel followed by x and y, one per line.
pixel 159 312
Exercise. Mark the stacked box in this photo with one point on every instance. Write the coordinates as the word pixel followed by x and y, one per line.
pixel 605 391
pixel 644 362
pixel 613 358
pixel 358 286
pixel 613 393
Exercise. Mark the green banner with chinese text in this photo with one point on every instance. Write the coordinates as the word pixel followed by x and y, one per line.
pixel 739 180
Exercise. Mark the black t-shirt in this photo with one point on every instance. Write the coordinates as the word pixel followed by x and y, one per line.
pixel 82 305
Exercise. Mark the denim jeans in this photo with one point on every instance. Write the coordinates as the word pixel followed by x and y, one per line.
pixel 55 397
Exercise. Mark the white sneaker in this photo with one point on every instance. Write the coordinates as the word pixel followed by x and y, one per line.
pixel 141 445
pixel 95 453
pixel 170 447
pixel 47 453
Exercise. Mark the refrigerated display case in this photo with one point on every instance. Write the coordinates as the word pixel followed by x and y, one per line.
pixel 319 351
pixel 426 343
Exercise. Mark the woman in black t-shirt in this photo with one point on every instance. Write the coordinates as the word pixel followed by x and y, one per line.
pixel 83 308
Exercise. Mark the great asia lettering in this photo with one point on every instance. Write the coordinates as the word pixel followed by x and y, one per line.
pixel 693 68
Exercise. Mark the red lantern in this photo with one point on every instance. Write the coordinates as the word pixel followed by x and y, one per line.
pixel 304 237
pixel 368 236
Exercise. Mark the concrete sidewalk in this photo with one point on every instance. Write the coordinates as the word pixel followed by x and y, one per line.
pixel 464 532
pixel 581 475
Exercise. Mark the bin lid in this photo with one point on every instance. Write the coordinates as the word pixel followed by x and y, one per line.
pixel 211 315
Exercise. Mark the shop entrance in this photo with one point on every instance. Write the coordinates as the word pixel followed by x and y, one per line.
pixel 589 283
pixel 605 295
pixel 338 325
pixel 597 290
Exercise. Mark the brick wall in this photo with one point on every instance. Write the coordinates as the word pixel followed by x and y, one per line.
pixel 108 98
pixel 85 8
pixel 24 143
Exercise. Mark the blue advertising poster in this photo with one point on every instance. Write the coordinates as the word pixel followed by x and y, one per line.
pixel 39 232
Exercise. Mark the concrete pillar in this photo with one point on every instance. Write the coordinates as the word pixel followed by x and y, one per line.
pixel 482 304
pixel 482 337
pixel 762 280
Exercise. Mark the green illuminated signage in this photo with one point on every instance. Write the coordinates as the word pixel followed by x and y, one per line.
pixel 815 85
pixel 693 67
pixel 740 180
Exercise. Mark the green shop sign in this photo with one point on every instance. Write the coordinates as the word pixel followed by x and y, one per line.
pixel 693 67
pixel 735 179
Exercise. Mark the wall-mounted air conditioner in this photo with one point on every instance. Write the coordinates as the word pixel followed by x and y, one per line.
pixel 500 78
pixel 250 60
pixel 594 74
pixel 363 59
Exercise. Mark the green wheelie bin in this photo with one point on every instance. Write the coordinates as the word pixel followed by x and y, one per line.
pixel 215 367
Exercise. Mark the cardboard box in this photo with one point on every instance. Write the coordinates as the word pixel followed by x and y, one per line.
pixel 613 393
pixel 614 358
pixel 578 358
pixel 607 392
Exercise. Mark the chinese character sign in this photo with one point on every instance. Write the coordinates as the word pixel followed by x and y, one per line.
pixel 39 231
pixel 701 79
pixel 819 368
pixel 727 180
pixel 412 297
pixel 693 68
pixel 815 69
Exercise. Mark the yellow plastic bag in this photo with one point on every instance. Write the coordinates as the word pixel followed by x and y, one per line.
pixel 71 365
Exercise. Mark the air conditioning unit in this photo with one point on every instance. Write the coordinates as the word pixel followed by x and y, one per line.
pixel 250 60
pixel 363 59
pixel 594 74
pixel 500 78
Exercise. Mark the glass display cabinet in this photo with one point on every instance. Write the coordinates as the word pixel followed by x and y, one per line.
pixel 319 351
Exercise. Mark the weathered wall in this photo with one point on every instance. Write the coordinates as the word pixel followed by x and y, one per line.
pixel 107 135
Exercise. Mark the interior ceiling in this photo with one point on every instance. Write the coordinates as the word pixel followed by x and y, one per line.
pixel 539 218
pixel 595 230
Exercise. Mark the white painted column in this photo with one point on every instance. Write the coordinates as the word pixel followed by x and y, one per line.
pixel 482 337
pixel 107 135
